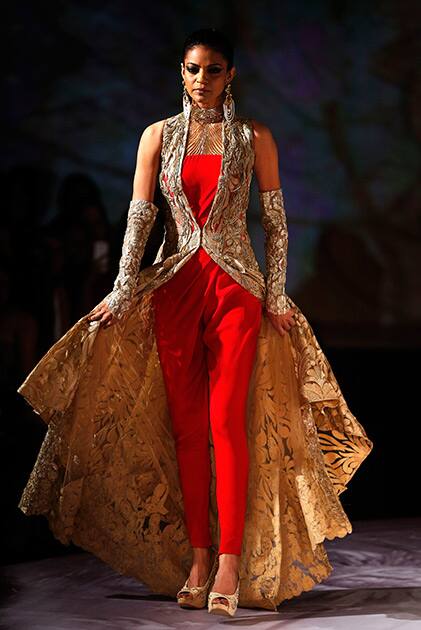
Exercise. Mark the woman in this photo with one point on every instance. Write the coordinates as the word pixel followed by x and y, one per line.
pixel 207 73
pixel 206 416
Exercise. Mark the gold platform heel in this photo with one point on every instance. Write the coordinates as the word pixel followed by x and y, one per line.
pixel 196 595
pixel 219 608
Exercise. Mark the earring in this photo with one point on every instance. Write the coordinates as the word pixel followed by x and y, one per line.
pixel 186 102
pixel 229 105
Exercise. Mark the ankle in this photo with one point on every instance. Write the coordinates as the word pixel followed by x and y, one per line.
pixel 229 561
pixel 202 557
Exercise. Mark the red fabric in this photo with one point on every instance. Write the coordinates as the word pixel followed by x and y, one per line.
pixel 199 175
pixel 206 327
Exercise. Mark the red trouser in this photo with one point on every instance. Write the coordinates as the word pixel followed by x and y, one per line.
pixel 206 327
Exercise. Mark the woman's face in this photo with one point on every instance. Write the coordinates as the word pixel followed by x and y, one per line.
pixel 205 75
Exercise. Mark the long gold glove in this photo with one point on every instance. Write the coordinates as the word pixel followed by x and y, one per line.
pixel 140 219
pixel 274 222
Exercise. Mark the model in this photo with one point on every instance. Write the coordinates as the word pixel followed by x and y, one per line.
pixel 195 427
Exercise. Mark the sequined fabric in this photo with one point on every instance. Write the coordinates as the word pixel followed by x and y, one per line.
pixel 106 475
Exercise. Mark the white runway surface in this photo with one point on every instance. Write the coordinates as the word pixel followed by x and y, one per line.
pixel 375 585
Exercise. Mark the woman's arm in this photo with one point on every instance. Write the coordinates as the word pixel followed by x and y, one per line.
pixel 140 219
pixel 266 168
pixel 147 163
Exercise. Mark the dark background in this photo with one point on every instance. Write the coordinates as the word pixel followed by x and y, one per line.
pixel 339 85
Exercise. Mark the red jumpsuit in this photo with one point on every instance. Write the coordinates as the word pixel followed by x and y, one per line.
pixel 206 327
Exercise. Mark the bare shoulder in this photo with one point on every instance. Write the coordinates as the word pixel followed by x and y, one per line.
pixel 151 137
pixel 263 140
pixel 261 132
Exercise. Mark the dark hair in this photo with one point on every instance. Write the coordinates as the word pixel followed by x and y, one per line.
pixel 212 38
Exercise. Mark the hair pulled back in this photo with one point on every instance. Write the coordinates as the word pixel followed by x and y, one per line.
pixel 211 38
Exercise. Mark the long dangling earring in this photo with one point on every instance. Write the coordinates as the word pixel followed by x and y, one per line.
pixel 228 105
pixel 186 102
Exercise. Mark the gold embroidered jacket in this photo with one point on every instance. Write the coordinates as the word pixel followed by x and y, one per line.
pixel 224 235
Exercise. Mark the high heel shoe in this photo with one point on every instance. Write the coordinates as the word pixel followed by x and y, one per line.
pixel 222 608
pixel 195 596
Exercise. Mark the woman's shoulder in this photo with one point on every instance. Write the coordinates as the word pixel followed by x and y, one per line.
pixel 151 136
pixel 154 130
pixel 263 140
pixel 261 132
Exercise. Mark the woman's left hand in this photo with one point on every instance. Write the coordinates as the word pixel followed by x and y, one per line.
pixel 103 313
pixel 283 323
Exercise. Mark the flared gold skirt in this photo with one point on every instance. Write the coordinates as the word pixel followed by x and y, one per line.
pixel 106 475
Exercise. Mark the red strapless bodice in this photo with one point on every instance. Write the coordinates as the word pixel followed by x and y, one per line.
pixel 199 175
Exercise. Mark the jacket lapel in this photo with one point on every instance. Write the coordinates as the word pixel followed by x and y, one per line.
pixel 182 147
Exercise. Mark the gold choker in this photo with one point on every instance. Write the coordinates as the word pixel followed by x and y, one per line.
pixel 206 114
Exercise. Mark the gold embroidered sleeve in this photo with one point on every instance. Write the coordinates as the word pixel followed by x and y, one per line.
pixel 276 245
pixel 140 219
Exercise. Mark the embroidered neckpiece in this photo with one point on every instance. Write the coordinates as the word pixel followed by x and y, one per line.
pixel 206 114
pixel 205 131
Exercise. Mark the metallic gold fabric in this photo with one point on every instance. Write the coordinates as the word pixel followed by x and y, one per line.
pixel 204 138
pixel 225 235
pixel 106 475
pixel 140 219
pixel 276 247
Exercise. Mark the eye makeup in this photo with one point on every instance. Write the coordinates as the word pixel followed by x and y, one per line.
pixel 194 69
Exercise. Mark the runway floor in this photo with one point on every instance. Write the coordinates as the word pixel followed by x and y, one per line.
pixel 375 585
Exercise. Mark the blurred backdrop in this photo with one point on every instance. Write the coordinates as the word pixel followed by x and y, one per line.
pixel 339 85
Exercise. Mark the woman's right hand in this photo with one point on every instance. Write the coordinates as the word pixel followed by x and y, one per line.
pixel 103 313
